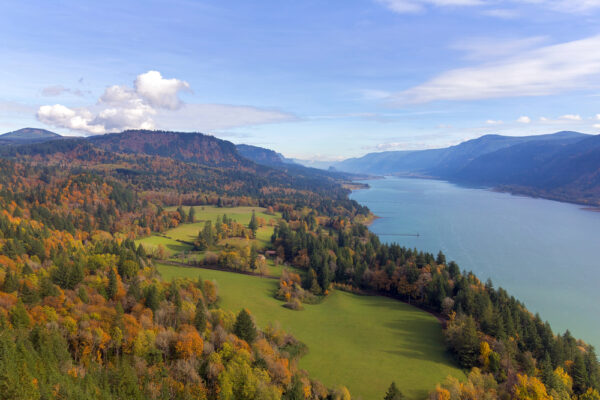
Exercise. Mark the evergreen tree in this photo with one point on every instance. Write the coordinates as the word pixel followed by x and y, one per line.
pixel 579 374
pixel 111 289
pixel 253 225
pixel 192 215
pixel 393 393
pixel 152 298
pixel 441 258
pixel 244 326
pixel 200 316
pixel 19 317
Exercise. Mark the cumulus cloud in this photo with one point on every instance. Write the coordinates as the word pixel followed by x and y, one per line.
pixel 75 119
pixel 524 119
pixel 597 126
pixel 598 117
pixel 160 92
pixel 542 71
pixel 152 102
pixel 493 122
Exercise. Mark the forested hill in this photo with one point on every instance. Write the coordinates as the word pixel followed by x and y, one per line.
pixel 28 135
pixel 562 166
pixel 184 146
pixel 262 156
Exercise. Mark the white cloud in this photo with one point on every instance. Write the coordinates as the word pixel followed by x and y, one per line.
pixel 152 102
pixel 75 119
pixel 571 117
pixel 57 90
pixel 597 126
pixel 493 48
pixel 598 117
pixel 563 6
pixel 524 119
pixel 503 13
pixel 212 117
pixel 493 122
pixel 542 71
pixel 413 6
pixel 160 92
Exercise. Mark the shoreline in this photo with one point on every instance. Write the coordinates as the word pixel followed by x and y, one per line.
pixel 512 190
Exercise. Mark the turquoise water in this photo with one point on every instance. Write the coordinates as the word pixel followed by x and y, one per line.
pixel 545 253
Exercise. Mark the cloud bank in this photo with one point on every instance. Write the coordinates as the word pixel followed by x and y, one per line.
pixel 153 102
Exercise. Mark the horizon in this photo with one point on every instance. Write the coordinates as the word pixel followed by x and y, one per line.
pixel 372 76
pixel 324 163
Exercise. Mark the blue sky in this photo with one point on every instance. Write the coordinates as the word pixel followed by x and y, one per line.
pixel 312 79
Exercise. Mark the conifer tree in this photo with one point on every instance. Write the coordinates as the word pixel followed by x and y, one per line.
pixel 200 316
pixel 393 393
pixel 111 289
pixel 244 326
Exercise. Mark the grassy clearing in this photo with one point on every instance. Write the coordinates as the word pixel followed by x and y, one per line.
pixel 172 239
pixel 171 246
pixel 240 214
pixel 189 232
pixel 362 342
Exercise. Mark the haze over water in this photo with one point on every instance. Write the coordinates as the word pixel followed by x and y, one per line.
pixel 545 253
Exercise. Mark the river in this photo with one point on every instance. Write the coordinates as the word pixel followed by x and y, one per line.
pixel 545 253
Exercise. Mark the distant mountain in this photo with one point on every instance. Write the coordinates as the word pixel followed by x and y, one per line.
pixel 313 163
pixel 277 161
pixel 184 146
pixel 562 166
pixel 443 161
pixel 28 135
pixel 262 156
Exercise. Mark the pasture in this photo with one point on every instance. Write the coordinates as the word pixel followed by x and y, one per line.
pixel 362 342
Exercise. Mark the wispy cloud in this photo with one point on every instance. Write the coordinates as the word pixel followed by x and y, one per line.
pixel 414 6
pixel 499 10
pixel 571 117
pixel 493 122
pixel 542 71
pixel 481 49
pixel 57 90
pixel 153 102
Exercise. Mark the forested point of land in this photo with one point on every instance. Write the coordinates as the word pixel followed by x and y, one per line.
pixel 85 314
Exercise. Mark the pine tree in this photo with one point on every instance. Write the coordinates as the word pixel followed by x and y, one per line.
pixel 579 374
pixel 253 225
pixel 192 215
pixel 111 289
pixel 393 393
pixel 244 326
pixel 200 316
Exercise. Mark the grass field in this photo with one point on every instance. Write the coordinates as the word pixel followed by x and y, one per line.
pixel 189 232
pixel 171 246
pixel 362 342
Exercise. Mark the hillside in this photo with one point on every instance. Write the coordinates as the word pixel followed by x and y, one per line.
pixel 28 135
pixel 560 166
pixel 262 156
pixel 183 146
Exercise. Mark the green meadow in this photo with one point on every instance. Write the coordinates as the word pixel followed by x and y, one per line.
pixel 362 342
pixel 174 239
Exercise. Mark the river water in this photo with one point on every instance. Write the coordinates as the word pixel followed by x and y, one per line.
pixel 545 253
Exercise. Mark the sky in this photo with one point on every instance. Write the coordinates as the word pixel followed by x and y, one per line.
pixel 312 79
